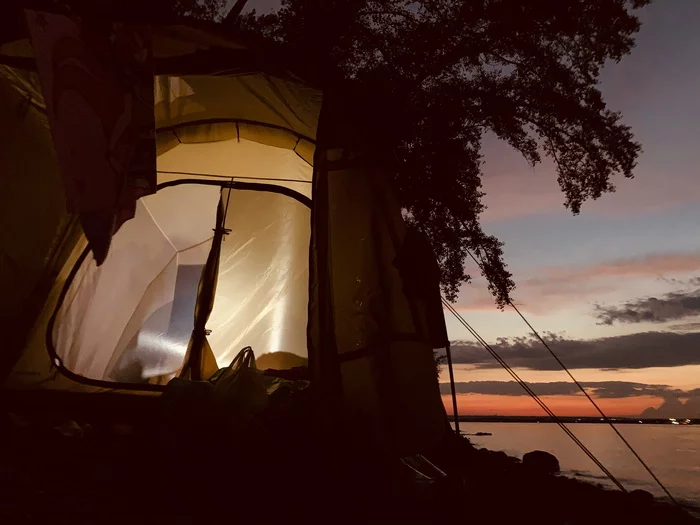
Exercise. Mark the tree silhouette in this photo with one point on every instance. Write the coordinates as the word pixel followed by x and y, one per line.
pixel 200 9
pixel 434 76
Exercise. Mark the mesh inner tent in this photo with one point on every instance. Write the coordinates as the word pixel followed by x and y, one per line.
pixel 130 320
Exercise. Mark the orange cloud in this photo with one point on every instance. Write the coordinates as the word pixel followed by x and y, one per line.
pixel 575 405
pixel 649 266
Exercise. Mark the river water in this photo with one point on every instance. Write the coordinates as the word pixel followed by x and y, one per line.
pixel 671 451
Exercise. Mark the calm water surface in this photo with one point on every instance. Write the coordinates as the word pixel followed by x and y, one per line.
pixel 671 451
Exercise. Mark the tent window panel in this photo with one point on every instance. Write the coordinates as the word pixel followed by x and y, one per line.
pixel 129 321
pixel 88 328
pixel 153 346
pixel 262 290
pixel 106 331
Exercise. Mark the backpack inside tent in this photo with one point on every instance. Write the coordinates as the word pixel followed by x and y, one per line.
pixel 265 231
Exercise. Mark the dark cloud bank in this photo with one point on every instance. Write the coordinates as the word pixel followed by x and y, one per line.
pixel 641 350
pixel 601 389
pixel 669 307
pixel 674 407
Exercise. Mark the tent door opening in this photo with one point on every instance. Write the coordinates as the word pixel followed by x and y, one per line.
pixel 127 323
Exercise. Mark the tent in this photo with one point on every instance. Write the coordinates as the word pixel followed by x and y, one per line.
pixel 268 229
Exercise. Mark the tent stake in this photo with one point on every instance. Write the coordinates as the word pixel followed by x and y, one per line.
pixel 455 414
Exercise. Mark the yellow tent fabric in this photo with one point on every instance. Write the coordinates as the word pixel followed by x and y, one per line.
pixel 35 226
pixel 245 127
pixel 367 342
pixel 386 362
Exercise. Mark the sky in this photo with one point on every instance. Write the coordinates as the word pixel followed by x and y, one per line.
pixel 616 289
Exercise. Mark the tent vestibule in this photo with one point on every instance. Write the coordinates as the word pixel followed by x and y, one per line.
pixel 300 248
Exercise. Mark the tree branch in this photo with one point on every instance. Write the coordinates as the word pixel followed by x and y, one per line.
pixel 235 12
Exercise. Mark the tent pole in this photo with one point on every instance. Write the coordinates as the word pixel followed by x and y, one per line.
pixel 455 414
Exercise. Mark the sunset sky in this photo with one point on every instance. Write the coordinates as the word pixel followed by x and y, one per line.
pixel 617 287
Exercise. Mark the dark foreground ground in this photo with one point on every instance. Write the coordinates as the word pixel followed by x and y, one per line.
pixel 147 462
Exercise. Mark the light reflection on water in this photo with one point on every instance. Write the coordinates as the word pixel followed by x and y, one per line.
pixel 671 451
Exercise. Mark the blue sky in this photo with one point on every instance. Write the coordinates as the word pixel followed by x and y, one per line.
pixel 656 88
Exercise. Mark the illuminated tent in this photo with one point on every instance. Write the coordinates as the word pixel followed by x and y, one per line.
pixel 297 240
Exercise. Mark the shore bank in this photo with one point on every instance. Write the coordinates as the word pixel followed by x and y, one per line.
pixel 149 470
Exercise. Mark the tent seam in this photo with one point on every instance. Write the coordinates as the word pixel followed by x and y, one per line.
pixel 237 121
pixel 159 229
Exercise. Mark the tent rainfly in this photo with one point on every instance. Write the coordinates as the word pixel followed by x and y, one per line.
pixel 264 230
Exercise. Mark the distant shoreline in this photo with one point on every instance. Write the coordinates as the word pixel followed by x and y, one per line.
pixel 544 419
